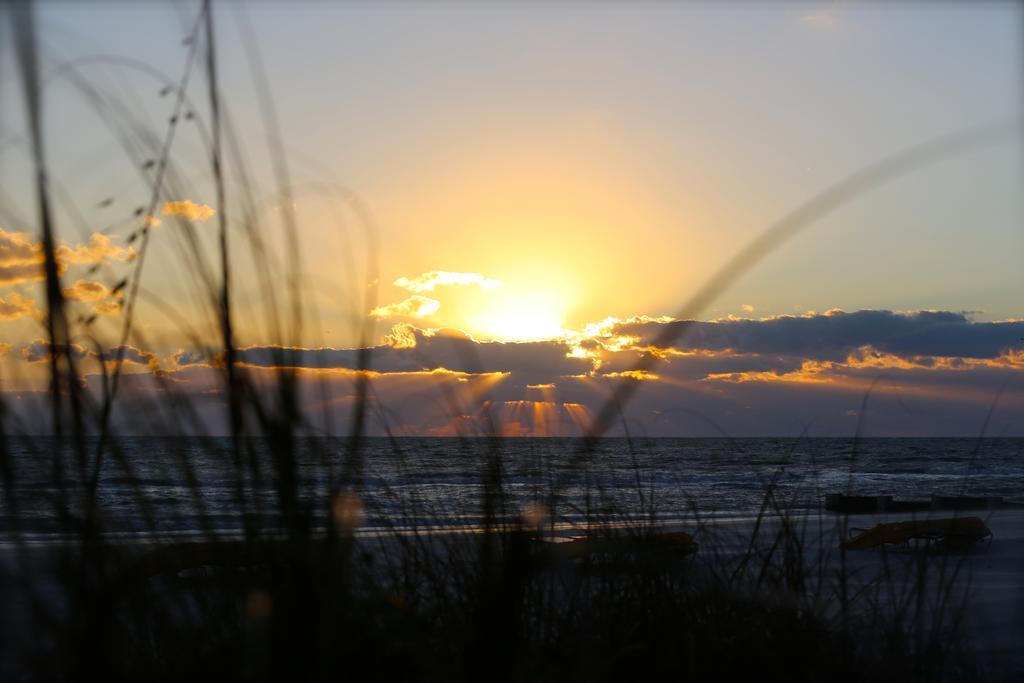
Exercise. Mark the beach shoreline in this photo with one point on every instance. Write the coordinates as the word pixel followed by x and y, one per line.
pixel 989 578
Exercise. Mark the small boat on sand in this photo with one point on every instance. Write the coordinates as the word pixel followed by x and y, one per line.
pixel 955 533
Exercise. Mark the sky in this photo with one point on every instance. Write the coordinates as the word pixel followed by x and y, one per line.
pixel 512 203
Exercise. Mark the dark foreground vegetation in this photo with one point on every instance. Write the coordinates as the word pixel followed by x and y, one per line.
pixel 498 605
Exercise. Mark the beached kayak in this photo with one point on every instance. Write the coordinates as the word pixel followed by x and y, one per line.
pixel 952 533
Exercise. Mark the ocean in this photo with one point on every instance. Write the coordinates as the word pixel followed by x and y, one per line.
pixel 151 485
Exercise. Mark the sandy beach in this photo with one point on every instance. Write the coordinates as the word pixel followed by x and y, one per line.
pixel 988 581
pixel 989 578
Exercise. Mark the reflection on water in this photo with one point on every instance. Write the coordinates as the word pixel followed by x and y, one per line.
pixel 423 482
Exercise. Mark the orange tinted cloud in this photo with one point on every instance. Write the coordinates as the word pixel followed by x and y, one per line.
pixel 639 375
pixel 868 358
pixel 189 210
pixel 98 249
pixel 415 306
pixel 105 301
pixel 108 307
pixel 427 282
pixel 402 336
pixel 15 247
pixel 811 371
pixel 86 290
pixel 20 259
pixel 15 306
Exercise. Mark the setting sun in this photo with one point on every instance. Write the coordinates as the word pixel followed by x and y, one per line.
pixel 509 341
pixel 521 317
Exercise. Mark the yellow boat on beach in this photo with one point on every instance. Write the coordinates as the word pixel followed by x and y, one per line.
pixel 954 533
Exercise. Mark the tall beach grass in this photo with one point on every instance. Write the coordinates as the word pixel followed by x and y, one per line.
pixel 295 590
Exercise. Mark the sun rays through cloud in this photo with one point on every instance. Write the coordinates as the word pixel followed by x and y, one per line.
pixel 519 247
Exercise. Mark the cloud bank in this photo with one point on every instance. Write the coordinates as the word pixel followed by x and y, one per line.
pixel 925 373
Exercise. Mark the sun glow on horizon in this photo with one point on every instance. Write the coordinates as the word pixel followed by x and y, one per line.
pixel 522 316
pixel 520 325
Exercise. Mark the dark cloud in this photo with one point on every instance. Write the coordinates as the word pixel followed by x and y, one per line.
pixel 872 340
pixel 695 366
pixel 447 349
pixel 834 335
pixel 927 373
pixel 184 359
pixel 39 351
pixel 130 354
